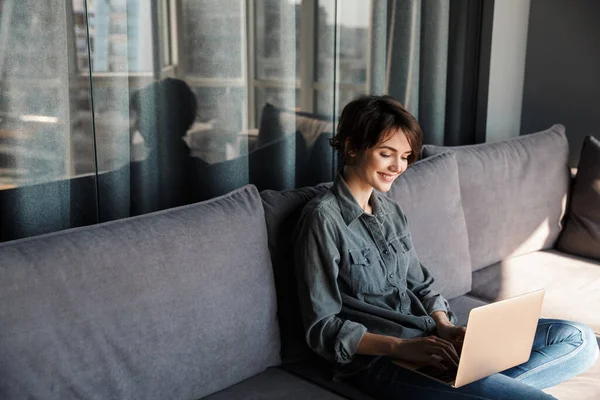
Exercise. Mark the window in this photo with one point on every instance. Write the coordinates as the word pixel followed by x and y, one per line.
pixel 67 112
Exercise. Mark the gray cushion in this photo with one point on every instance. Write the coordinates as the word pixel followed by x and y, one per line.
pixel 463 305
pixel 513 193
pixel 429 195
pixel 320 372
pixel 581 235
pixel 572 284
pixel 176 304
pixel 274 384
pixel 585 386
pixel 282 210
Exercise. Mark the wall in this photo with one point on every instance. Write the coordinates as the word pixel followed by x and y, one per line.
pixel 562 68
pixel 507 68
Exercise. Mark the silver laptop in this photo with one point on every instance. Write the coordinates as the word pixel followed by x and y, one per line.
pixel 499 336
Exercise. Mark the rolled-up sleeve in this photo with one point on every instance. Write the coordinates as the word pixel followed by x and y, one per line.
pixel 316 263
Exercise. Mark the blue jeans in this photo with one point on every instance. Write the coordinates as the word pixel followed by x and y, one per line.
pixel 561 350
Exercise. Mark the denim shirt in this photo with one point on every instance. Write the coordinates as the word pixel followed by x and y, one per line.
pixel 359 272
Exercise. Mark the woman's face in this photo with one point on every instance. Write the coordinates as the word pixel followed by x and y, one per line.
pixel 380 165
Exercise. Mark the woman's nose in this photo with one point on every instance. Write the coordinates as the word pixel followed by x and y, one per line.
pixel 399 165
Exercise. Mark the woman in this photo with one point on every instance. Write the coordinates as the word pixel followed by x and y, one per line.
pixel 367 300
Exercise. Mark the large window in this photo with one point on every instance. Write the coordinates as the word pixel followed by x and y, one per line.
pixel 80 103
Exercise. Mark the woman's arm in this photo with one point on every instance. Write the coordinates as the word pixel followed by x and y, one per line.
pixel 447 331
pixel 316 263
pixel 424 350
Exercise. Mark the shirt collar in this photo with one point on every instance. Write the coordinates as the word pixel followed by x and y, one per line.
pixel 349 207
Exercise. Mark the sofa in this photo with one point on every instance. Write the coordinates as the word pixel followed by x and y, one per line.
pixel 200 301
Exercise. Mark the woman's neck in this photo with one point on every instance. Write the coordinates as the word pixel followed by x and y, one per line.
pixel 359 189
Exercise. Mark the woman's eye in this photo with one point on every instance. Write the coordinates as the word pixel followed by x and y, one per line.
pixel 384 155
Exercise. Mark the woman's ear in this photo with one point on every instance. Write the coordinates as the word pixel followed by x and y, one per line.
pixel 348 148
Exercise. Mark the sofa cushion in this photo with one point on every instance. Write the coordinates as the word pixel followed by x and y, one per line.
pixel 429 195
pixel 572 284
pixel 513 193
pixel 581 235
pixel 319 371
pixel 282 210
pixel 274 384
pixel 585 386
pixel 462 306
pixel 176 304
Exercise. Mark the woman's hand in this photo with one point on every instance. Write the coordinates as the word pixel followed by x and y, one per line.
pixel 430 350
pixel 452 334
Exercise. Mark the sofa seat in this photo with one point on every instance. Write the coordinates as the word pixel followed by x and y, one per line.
pixel 572 284
pixel 319 372
pixel 572 292
pixel 274 384
pixel 583 387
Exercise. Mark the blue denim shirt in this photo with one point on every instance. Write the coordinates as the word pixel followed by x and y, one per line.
pixel 359 272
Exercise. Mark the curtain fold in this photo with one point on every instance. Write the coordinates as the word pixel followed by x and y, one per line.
pixel 432 65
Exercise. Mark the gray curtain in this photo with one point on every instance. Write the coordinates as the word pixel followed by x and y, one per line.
pixel 432 65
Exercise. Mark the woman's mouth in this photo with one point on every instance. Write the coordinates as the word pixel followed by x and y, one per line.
pixel 387 177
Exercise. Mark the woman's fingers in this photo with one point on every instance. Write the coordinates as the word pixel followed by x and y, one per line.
pixel 438 364
pixel 448 347
pixel 443 354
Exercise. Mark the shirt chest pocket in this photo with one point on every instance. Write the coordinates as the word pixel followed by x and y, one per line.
pixel 402 246
pixel 365 272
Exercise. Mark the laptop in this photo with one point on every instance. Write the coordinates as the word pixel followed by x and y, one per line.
pixel 499 336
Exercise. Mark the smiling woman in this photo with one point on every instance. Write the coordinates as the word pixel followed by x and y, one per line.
pixel 366 300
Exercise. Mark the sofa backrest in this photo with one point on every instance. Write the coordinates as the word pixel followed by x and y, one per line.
pixel 282 209
pixel 513 193
pixel 429 194
pixel 175 304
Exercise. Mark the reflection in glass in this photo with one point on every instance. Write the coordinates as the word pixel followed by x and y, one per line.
pixel 262 79
pixel 287 98
pixel 40 191
pixel 215 136
pixel 120 35
pixel 212 38
pixel 35 106
pixel 324 100
pixel 353 24
pixel 277 39
pixel 163 112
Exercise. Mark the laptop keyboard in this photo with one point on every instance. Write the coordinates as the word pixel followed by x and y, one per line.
pixel 448 375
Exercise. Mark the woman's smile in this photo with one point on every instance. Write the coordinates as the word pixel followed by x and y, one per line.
pixel 389 178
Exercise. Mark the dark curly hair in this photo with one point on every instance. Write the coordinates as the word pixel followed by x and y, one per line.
pixel 367 120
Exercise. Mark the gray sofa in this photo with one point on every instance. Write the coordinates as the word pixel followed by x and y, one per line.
pixel 199 301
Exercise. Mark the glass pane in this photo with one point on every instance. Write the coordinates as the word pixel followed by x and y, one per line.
pixel 324 100
pixel 268 103
pixel 287 98
pixel 120 35
pixel 277 39
pixel 215 136
pixel 213 37
pixel 353 40
pixel 39 112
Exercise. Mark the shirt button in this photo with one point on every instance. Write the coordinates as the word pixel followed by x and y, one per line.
pixel 391 275
pixel 385 252
pixel 403 294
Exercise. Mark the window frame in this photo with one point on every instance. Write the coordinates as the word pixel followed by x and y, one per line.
pixel 170 31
